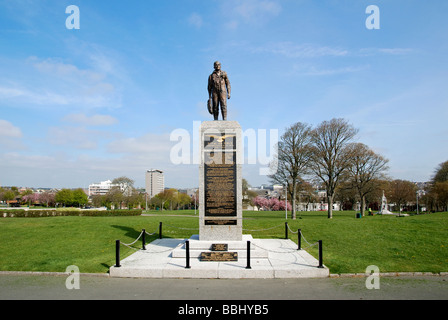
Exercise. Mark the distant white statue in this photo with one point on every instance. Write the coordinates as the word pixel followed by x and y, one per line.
pixel 383 209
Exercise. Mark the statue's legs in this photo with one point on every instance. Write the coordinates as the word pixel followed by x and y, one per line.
pixel 219 100
pixel 223 103
pixel 215 113
pixel 224 112
pixel 215 100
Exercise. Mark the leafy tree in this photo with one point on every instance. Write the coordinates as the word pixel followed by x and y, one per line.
pixel 64 197
pixel 8 196
pixel 80 198
pixel 134 199
pixel 98 200
pixel 165 197
pixel 182 200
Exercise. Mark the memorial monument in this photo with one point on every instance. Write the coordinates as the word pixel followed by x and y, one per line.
pixel 220 176
pixel 220 250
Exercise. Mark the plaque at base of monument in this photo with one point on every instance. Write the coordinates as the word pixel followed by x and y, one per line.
pixel 219 256
pixel 221 222
pixel 220 247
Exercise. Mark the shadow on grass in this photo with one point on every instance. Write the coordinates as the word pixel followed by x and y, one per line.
pixel 134 234
pixel 129 232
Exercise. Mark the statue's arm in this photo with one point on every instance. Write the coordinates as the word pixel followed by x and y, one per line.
pixel 228 86
pixel 209 87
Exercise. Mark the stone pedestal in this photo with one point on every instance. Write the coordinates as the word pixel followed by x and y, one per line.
pixel 220 181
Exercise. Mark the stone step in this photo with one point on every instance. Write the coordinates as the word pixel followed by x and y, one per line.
pixel 254 253
pixel 197 247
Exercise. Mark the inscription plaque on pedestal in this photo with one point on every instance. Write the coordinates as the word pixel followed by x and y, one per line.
pixel 220 186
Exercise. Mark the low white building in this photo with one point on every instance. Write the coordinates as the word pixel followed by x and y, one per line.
pixel 101 188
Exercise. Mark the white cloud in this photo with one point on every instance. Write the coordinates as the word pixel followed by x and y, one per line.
pixel 10 92
pixel 315 71
pixel 249 12
pixel 49 83
pixel 8 130
pixel 195 20
pixel 391 51
pixel 94 120
pixel 10 136
pixel 157 145
pixel 293 50
pixel 79 138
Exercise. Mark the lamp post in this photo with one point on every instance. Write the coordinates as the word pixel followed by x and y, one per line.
pixel 146 201
pixel 286 201
pixel 195 197
pixel 417 200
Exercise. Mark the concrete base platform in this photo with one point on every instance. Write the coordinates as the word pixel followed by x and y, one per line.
pixel 165 258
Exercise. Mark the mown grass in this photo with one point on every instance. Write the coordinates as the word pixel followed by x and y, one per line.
pixel 415 243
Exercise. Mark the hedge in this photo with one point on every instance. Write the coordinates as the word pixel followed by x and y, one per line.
pixel 20 213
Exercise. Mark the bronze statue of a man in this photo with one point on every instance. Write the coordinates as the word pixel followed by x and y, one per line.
pixel 218 91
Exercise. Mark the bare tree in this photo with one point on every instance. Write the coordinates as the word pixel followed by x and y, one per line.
pixel 365 168
pixel 292 159
pixel 330 156
pixel 402 192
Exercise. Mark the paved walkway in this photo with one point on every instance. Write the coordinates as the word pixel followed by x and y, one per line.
pixel 93 287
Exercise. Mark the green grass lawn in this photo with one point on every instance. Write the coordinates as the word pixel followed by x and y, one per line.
pixel 415 243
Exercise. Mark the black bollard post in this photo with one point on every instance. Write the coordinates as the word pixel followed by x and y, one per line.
pixel 248 256
pixel 299 239
pixel 321 265
pixel 160 230
pixel 187 255
pixel 117 254
pixel 286 230
pixel 143 239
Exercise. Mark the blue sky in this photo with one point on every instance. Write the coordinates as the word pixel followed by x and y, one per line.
pixel 83 106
